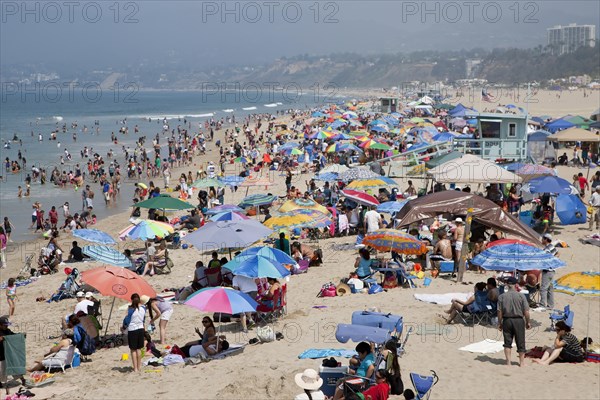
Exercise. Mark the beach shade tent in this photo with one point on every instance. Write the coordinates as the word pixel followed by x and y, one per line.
pixel 94 235
pixel 357 173
pixel 394 240
pixel 456 203
pixel 335 168
pixel 207 182
pixel 538 146
pixel 300 218
pixel 262 263
pixel 391 207
pixel 165 202
pixel 232 180
pixel 579 121
pixel 575 135
pixel 549 184
pixel 227 235
pixel 228 216
pixel 107 255
pixel 372 183
pixel 256 200
pixel 116 282
pixel 570 209
pixel 595 115
pixel 558 125
pixel 146 229
pixel 223 208
pixel 472 169
pixel 360 197
pixel 302 204
pixel 512 257
pixel 222 300
pixel 443 159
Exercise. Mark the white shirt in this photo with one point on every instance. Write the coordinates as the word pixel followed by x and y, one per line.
pixel 372 219
pixel 200 273
pixel 316 395
pixel 83 306
pixel 137 319
pixel 244 283
pixel 595 199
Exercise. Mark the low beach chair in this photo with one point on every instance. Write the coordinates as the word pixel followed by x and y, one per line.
pixel 423 384
pixel 267 312
pixel 565 315
pixel 63 364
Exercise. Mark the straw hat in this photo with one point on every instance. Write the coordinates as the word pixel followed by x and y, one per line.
pixel 309 380
pixel 144 299
pixel 342 289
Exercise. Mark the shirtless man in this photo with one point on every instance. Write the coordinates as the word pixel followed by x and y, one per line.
pixel 459 235
pixel 442 250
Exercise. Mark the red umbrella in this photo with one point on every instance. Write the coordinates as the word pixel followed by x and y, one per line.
pixel 509 241
pixel 360 197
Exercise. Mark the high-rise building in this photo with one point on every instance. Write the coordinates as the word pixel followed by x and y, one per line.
pixel 567 39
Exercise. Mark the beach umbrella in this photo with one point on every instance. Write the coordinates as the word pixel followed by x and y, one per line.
pixel 360 197
pixel 293 152
pixel 326 176
pixel 371 183
pixel 380 128
pixel 300 218
pixel 232 180
pixel 207 182
pixel 261 264
pixel 228 216
pixel 357 173
pixel 322 135
pixel 146 229
pixel 534 170
pixel 350 115
pixel 257 200
pixel 391 207
pixel 336 168
pixel 394 240
pixel 508 241
pixel 458 122
pixel 549 184
pixel 94 235
pixel 289 145
pixel 267 252
pixel 164 202
pixel 242 160
pixel 107 255
pixel 511 257
pixel 570 209
pixel 118 283
pixel 142 185
pixel 223 208
pixel 420 169
pixel 304 204
pixel 221 300
pixel 580 284
pixel 227 235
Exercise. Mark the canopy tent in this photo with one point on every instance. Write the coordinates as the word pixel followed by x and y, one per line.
pixel 558 125
pixel 461 111
pixel 595 115
pixel 579 121
pixel 575 135
pixel 472 169
pixel 538 136
pixel 538 146
pixel 442 159
pixel 456 203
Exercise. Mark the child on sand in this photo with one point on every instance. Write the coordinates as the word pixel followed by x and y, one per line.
pixel 11 296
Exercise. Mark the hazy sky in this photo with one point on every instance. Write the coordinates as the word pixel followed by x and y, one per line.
pixel 98 34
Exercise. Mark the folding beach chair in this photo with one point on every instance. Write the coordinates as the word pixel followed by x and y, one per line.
pixel 214 276
pixel 484 310
pixel 423 384
pixel 269 311
pixel 565 315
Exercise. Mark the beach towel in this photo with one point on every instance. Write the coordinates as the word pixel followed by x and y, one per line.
pixel 14 351
pixel 343 223
pixel 326 353
pixel 435 330
pixel 486 346
pixel 19 283
pixel 444 299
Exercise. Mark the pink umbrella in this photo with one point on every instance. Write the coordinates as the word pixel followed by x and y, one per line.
pixel 360 197
pixel 222 300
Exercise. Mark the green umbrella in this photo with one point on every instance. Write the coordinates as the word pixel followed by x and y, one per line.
pixel 444 106
pixel 442 159
pixel 207 182
pixel 165 202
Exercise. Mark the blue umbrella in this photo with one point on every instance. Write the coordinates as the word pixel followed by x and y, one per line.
pixel 257 266
pixel 512 167
pixel 229 216
pixel 516 256
pixel 570 209
pixel 232 180
pixel 549 184
pixel 391 207
pixel 379 128
pixel 268 252
pixel 94 235
pixel 106 255
pixel 223 208
pixel 289 146
pixel 327 176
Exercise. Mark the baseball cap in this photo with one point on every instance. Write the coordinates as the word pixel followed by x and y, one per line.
pixel 4 320
pixel 547 236
pixel 80 295
pixel 88 295
pixel 511 280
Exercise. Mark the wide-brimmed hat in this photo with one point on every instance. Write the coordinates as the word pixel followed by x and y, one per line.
pixel 458 220
pixel 342 289
pixel 309 380
pixel 144 299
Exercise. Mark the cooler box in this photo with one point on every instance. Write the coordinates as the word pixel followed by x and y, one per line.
pixel 330 376
pixel 526 217
pixel 446 267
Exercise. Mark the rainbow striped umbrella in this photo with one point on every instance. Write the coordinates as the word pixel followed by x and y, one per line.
pixel 393 240
pixel 322 135
pixel 375 145
pixel 371 183
pixel 360 197
pixel 146 229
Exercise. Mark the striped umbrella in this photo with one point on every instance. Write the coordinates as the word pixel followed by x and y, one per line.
pixel 223 208
pixel 257 200
pixel 106 255
pixel 375 145
pixel 360 197
pixel 516 256
pixel 94 235
pixel 304 204
pixel 299 219
pixel 207 182
pixel 146 229
pixel 228 216
pixel 371 183
pixel 357 173
pixel 393 240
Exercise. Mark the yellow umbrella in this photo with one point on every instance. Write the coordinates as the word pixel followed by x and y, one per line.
pixel 420 169
pixel 579 283
pixel 303 204
pixel 371 183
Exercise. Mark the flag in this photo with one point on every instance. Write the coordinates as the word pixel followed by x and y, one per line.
pixel 485 96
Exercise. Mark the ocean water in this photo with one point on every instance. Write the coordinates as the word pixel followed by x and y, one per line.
pixel 30 115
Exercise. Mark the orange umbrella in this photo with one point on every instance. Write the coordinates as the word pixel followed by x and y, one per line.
pixel 117 282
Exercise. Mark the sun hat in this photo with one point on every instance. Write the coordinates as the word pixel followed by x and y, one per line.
pixel 459 219
pixel 309 379
pixel 80 295
pixel 547 236
pixel 88 295
pixel 144 299
pixel 342 289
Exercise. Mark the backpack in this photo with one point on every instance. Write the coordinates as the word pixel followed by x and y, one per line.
pixel 86 345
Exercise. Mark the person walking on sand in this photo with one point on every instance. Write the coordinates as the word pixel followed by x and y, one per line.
pixel 11 296
pixel 595 204
pixel 3 241
pixel 513 319
pixel 8 227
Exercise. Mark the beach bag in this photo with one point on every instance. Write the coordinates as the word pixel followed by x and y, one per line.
pixel 265 334
pixel 328 290
pixel 301 268
pixel 86 345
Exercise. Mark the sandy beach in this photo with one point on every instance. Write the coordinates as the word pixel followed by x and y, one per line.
pixel 266 371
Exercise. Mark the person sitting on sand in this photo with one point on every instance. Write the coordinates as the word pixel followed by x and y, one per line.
pixel 362 366
pixel 469 306
pixel 56 357
pixel 158 260
pixel 566 347
pixel 209 343
pixel 442 250
pixel 304 252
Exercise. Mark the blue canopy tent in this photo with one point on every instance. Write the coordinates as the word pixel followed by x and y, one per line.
pixel 570 209
pixel 538 146
pixel 558 125
pixel 462 111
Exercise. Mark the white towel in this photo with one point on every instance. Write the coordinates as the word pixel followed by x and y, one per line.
pixel 444 299
pixel 486 346
pixel 343 222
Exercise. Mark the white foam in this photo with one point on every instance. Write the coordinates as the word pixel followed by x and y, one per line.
pixel 229 110
pixel 249 108
pixel 271 105
pixel 57 118
pixel 173 116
